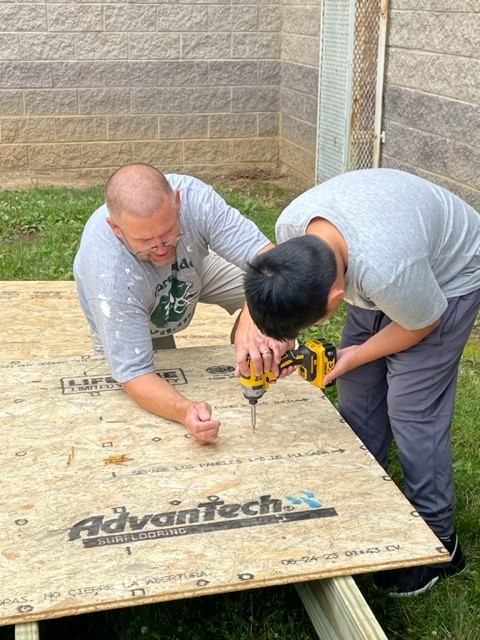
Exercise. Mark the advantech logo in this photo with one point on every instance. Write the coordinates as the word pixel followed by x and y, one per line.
pixel 211 516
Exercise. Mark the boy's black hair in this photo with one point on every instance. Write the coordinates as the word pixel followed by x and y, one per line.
pixel 287 287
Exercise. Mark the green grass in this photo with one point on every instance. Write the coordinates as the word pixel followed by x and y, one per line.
pixel 39 234
pixel 40 230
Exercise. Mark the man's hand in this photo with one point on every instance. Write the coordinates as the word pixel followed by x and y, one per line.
pixel 199 422
pixel 265 352
pixel 346 360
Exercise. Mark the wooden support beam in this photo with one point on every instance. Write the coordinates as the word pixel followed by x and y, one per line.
pixel 27 631
pixel 338 610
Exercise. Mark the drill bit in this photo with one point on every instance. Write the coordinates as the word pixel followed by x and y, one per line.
pixel 253 410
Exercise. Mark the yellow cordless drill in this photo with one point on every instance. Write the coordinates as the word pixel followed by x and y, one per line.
pixel 314 360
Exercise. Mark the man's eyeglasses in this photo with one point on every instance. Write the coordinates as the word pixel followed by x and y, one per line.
pixel 168 243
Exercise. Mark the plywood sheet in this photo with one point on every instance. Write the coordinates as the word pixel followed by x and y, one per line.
pixel 298 499
pixel 43 319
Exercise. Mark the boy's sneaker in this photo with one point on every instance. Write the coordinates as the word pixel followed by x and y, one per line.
pixel 411 581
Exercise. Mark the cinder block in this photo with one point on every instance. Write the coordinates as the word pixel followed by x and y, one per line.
pixel 255 99
pixel 24 75
pixel 106 154
pixel 418 148
pixel 300 77
pixel 75 17
pixel 439 31
pixel 81 128
pixel 302 21
pixel 157 100
pixel 46 102
pixel 233 72
pixel 268 124
pixel 101 46
pixel 182 18
pixel 292 102
pixel 270 18
pixel 131 74
pixel 47 46
pixel 301 49
pixel 449 76
pixel 21 130
pixel 177 73
pixel 132 127
pixel 232 18
pixel 154 46
pixel 13 157
pixel 10 46
pixel 270 3
pixel 269 72
pixel 159 153
pixel 311 108
pixel 256 45
pixel 103 101
pixel 436 5
pixel 443 116
pixel 207 151
pixel 129 18
pixel 75 178
pixel 11 103
pixel 297 159
pixel 301 133
pixel 465 163
pixel 206 100
pixel 23 17
pixel 182 127
pixel 55 156
pixel 78 74
pixel 206 46
pixel 233 125
pixel 255 150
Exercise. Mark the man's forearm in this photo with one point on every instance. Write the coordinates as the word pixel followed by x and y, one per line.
pixel 392 339
pixel 157 396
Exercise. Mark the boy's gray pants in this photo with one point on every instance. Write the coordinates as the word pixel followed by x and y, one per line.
pixel 410 396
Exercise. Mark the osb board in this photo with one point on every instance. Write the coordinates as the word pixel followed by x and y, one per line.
pixel 298 499
pixel 43 319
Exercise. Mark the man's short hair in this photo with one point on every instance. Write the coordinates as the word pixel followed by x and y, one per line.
pixel 138 189
pixel 287 287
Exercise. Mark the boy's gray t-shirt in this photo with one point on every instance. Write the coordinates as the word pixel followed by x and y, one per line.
pixel 411 244
pixel 127 301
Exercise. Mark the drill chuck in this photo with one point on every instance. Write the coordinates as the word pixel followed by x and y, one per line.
pixel 255 386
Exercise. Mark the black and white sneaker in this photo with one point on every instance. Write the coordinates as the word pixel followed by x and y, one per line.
pixel 412 581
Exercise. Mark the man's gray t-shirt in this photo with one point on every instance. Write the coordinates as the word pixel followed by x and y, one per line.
pixel 127 300
pixel 411 244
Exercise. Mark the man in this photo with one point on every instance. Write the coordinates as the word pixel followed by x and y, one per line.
pixel 158 246
pixel 405 255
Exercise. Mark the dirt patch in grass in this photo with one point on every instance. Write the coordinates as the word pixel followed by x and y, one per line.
pixel 273 189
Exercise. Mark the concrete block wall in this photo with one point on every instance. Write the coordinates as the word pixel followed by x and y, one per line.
pixel 87 86
pixel 222 85
pixel 299 87
pixel 432 93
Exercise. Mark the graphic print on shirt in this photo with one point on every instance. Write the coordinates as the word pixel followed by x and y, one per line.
pixel 172 306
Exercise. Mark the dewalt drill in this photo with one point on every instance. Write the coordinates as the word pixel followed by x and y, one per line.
pixel 314 359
